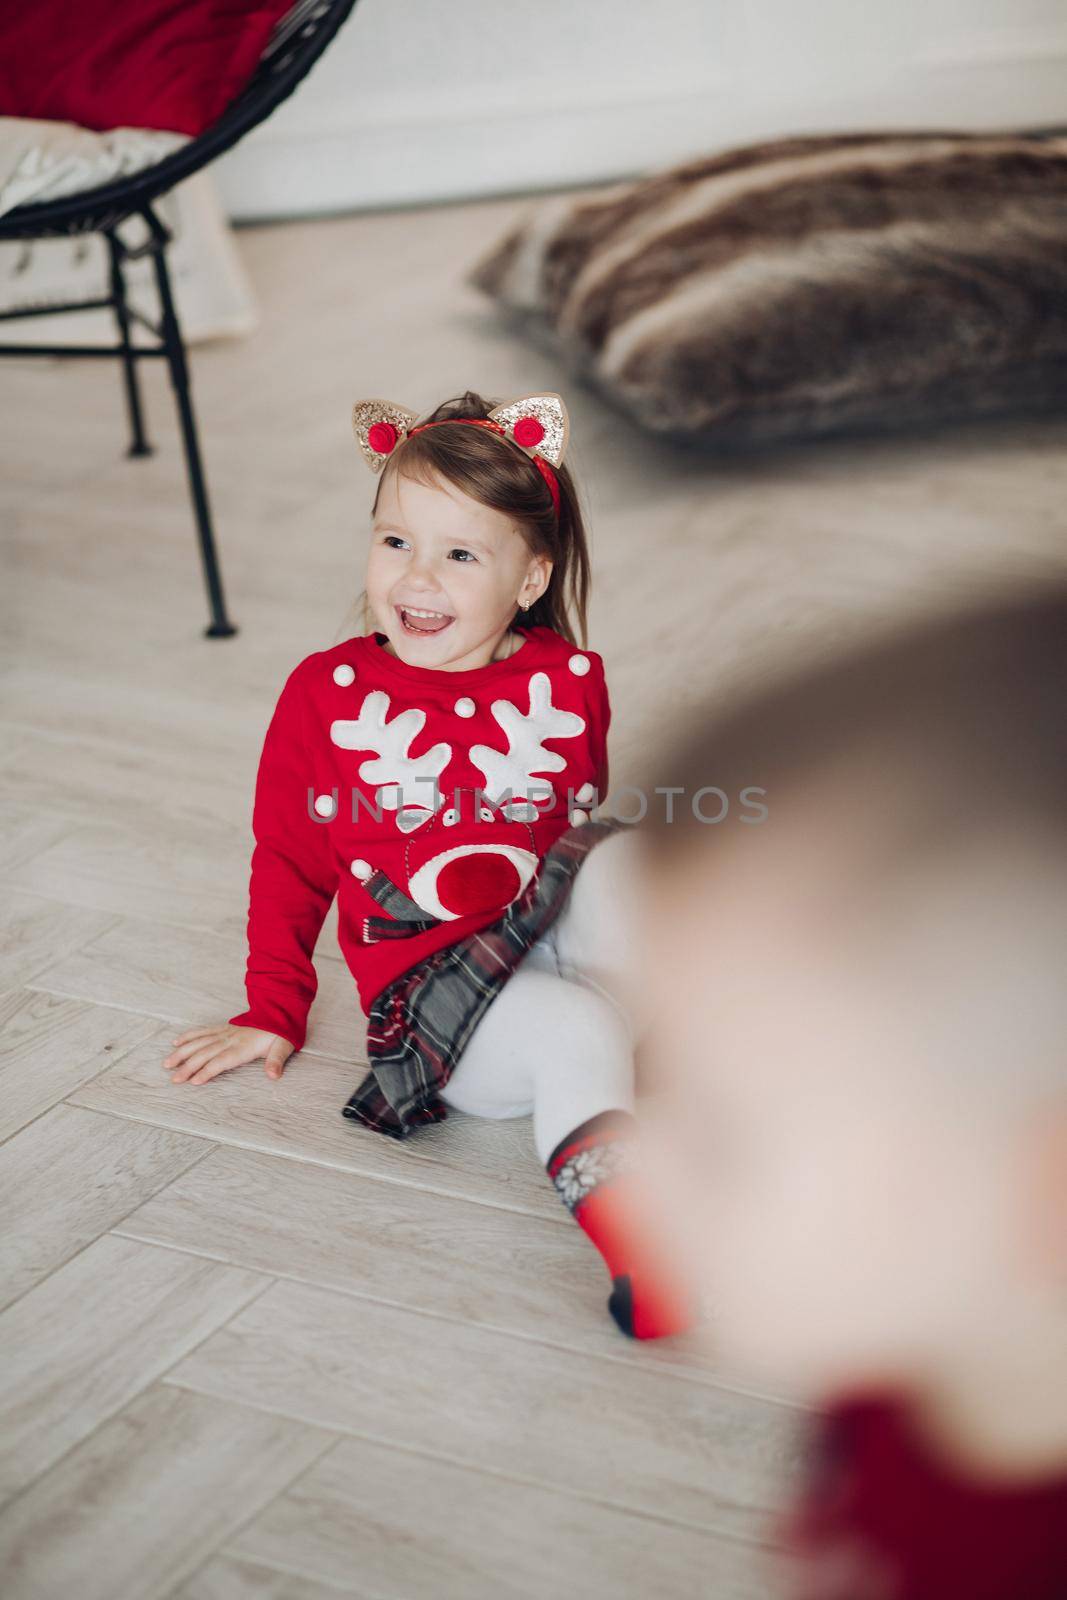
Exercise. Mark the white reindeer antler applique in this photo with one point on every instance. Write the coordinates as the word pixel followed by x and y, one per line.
pixel 402 782
pixel 512 772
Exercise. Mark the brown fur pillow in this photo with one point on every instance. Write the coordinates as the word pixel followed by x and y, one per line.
pixel 808 285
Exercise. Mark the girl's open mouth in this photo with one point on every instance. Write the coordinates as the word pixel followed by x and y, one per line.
pixel 417 622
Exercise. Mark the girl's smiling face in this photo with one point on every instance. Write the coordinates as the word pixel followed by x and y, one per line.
pixel 435 549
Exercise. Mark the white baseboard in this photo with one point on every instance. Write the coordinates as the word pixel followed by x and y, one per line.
pixel 359 160
pixel 375 162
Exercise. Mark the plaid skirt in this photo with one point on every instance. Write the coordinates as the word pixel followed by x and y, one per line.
pixel 418 1026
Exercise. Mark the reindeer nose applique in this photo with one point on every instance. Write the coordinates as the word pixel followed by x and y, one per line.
pixel 447 881
pixel 476 882
pixel 475 873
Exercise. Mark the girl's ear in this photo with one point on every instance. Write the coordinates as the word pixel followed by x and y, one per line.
pixel 379 426
pixel 540 572
pixel 538 424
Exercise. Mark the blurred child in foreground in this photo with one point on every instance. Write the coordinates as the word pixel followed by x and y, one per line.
pixel 861 1139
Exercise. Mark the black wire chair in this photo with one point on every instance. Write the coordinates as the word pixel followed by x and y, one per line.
pixel 294 47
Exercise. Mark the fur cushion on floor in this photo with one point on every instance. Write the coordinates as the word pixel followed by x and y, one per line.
pixel 807 286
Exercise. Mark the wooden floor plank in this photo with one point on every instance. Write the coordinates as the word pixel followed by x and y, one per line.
pixel 406 1526
pixel 82 1343
pixel 188 978
pixel 229 1577
pixel 407 1246
pixel 37 934
pixel 72 1175
pixel 24 833
pixel 124 868
pixel 144 1500
pixel 300 1115
pixel 644 1440
pixel 51 1046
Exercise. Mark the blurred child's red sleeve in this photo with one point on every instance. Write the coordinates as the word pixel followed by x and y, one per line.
pixel 293 879
pixel 604 723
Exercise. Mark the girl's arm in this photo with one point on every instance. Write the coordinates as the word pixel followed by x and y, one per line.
pixel 293 880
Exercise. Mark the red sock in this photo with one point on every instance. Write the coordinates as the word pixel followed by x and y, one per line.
pixel 592 1170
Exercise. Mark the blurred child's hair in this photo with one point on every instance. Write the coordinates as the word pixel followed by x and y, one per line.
pixel 957 722
pixel 492 471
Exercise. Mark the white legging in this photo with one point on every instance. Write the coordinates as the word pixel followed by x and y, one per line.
pixel 558 1039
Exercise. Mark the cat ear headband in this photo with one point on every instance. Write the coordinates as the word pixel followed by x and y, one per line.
pixel 537 423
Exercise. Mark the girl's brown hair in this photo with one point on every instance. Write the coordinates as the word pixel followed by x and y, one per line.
pixel 492 471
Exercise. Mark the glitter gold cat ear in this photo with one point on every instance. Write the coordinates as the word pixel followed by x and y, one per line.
pixel 538 424
pixel 379 426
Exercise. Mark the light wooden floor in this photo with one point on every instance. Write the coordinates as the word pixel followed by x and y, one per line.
pixel 248 1347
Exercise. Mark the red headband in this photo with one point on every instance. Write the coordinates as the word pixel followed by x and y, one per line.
pixel 525 426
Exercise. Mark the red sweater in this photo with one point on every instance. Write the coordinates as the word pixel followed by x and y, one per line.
pixel 879 1517
pixel 455 784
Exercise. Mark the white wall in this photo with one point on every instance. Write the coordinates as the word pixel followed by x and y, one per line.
pixel 426 100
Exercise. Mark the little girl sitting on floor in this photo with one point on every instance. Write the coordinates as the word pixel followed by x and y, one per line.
pixel 437 774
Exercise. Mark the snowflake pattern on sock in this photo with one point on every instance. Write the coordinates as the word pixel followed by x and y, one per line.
pixel 583 1172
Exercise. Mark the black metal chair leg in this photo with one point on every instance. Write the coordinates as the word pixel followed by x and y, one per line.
pixel 139 445
pixel 220 626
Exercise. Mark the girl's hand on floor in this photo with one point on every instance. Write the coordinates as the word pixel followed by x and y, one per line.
pixel 200 1054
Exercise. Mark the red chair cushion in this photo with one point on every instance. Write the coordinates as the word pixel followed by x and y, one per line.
pixel 171 64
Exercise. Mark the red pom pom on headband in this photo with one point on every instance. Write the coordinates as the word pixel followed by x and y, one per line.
pixel 538 424
pixel 528 431
pixel 382 437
